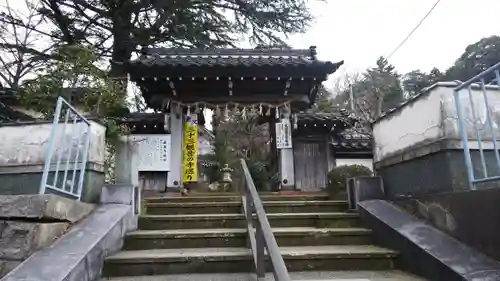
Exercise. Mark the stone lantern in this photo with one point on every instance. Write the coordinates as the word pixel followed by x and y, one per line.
pixel 226 174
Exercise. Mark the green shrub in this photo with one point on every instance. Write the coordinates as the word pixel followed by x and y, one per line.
pixel 338 175
pixel 262 176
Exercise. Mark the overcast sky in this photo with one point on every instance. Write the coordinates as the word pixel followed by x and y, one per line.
pixel 359 31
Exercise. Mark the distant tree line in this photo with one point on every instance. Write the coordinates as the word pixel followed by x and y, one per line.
pixel 381 88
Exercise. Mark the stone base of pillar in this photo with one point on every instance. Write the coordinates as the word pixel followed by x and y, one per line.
pixel 173 189
pixel 287 169
pixel 287 187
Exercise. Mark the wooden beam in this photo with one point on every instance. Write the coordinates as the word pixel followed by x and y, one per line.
pixel 269 72
pixel 254 98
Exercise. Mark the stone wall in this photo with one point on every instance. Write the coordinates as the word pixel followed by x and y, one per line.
pixel 470 216
pixel 78 254
pixel 20 239
pixel 29 223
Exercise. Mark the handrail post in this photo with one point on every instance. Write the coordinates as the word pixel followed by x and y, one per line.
pixel 48 156
pixel 259 240
pixel 249 209
pixel 249 217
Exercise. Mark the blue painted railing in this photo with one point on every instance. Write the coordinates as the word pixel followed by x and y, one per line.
pixel 64 172
pixel 484 134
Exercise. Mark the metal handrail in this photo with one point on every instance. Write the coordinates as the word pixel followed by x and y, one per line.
pixel 476 109
pixel 262 238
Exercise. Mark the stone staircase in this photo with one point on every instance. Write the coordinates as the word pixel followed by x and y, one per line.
pixel 204 238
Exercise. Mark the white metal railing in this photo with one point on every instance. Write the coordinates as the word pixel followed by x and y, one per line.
pixel 66 173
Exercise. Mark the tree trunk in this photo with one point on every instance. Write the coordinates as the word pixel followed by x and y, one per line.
pixel 122 46
pixel 380 103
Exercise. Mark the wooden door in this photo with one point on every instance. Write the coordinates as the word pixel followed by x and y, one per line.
pixel 311 167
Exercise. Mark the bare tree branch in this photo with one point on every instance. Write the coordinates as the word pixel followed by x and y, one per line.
pixel 370 94
pixel 20 54
pixel 351 95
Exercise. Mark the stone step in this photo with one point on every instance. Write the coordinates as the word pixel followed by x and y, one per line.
pixel 320 220
pixel 229 207
pixel 380 275
pixel 204 238
pixel 232 198
pixel 231 260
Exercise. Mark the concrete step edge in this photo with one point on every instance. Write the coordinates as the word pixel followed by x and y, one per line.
pixel 181 198
pixel 226 233
pixel 238 203
pixel 237 193
pixel 348 275
pixel 235 196
pixel 241 216
pixel 225 254
pixel 378 275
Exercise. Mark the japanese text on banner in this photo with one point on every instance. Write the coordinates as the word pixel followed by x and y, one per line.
pixel 190 159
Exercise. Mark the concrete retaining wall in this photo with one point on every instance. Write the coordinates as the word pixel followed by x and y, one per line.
pixel 23 148
pixel 418 149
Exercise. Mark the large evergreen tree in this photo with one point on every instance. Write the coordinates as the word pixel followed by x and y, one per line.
pixel 384 86
pixel 415 81
pixel 476 58
pixel 118 28
pixel 373 92
pixel 324 101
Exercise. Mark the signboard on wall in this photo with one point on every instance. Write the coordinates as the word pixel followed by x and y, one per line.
pixel 190 150
pixel 153 152
pixel 283 134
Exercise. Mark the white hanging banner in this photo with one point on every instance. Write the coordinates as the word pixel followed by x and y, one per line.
pixel 283 134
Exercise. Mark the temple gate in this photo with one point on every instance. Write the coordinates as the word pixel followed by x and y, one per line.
pixel 273 83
